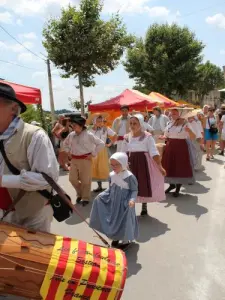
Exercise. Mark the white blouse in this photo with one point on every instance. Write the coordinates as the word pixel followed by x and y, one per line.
pixel 145 145
pixel 103 133
pixel 210 121
pixel 195 126
pixel 177 132
pixel 41 158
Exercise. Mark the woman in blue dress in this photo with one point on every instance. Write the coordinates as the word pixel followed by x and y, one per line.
pixel 113 211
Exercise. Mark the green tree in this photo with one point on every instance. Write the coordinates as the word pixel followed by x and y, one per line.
pixel 76 104
pixel 31 114
pixel 211 77
pixel 165 60
pixel 83 45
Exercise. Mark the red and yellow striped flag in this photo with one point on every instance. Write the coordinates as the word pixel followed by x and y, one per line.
pixel 78 270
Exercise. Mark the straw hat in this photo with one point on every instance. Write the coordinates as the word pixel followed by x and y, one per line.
pixel 192 113
pixel 104 115
pixel 223 107
pixel 182 110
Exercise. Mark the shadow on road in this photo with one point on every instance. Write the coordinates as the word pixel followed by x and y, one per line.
pixel 217 161
pixel 132 257
pixel 202 176
pixel 150 228
pixel 196 188
pixel 84 211
pixel 187 205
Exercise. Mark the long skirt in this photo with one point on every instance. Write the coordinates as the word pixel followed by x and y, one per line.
pixel 199 153
pixel 150 179
pixel 178 162
pixel 100 166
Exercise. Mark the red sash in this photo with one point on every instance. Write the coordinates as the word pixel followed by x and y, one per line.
pixel 81 156
pixel 120 138
pixel 5 199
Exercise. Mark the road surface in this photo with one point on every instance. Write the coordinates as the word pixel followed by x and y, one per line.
pixel 180 254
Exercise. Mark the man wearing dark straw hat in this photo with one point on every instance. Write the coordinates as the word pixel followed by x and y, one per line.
pixel 81 145
pixel 30 151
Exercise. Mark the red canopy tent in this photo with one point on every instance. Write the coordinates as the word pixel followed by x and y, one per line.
pixel 135 99
pixel 28 95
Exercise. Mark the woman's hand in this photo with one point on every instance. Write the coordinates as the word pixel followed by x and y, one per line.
pixel 161 137
pixel 162 170
pixel 108 145
pixel 89 157
pixel 131 204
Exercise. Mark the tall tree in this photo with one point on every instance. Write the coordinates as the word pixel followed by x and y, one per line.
pixel 83 45
pixel 211 77
pixel 166 60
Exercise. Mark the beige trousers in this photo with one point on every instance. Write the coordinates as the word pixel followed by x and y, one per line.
pixel 81 176
pixel 157 134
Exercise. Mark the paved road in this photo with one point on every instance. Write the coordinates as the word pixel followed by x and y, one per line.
pixel 180 254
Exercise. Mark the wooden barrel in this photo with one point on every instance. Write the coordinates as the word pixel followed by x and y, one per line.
pixel 38 265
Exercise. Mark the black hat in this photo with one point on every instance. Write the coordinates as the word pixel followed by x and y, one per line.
pixel 7 92
pixel 78 120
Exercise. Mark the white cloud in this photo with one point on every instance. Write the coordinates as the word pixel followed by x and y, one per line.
pixel 25 57
pixel 222 52
pixel 53 7
pixel 19 22
pixel 29 36
pixel 39 75
pixel 17 48
pixel 6 17
pixel 124 6
pixel 157 11
pixel 31 7
pixel 217 20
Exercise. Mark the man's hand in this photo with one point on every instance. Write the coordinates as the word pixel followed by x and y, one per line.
pixel 131 204
pixel 89 157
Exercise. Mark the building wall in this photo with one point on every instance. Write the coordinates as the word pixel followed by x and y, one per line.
pixel 213 98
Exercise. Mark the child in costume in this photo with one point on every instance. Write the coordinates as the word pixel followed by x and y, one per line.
pixel 113 211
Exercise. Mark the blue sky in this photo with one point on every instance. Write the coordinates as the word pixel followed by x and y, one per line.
pixel 24 19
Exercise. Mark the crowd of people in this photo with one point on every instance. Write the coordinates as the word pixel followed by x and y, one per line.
pixel 137 155
pixel 144 154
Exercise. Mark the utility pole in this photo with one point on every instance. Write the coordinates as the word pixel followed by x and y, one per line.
pixel 50 90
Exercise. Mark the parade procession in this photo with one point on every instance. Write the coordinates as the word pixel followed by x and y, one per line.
pixel 112 140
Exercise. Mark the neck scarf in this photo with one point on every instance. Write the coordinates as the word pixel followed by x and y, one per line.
pixel 118 179
pixel 13 126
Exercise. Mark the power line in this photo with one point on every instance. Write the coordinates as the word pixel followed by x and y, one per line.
pixel 203 9
pixel 9 34
pixel 18 65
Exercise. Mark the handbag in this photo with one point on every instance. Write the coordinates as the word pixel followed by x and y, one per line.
pixel 212 128
pixel 60 202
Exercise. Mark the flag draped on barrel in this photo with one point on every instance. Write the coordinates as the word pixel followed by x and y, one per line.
pixel 78 270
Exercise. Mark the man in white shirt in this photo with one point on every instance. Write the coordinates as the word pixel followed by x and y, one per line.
pixel 81 145
pixel 159 122
pixel 30 151
pixel 121 126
